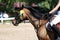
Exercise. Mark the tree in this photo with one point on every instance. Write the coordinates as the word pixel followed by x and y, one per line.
pixel 46 4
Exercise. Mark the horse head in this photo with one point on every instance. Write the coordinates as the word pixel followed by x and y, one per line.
pixel 19 17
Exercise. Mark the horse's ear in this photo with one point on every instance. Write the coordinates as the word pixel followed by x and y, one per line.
pixel 22 6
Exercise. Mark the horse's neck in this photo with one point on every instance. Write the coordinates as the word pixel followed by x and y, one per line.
pixel 28 15
pixel 32 19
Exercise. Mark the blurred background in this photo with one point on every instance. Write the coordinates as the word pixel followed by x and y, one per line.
pixel 8 6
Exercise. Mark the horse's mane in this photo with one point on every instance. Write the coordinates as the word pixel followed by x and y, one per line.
pixel 38 12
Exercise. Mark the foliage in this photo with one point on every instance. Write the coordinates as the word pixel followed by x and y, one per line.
pixel 49 4
pixel 46 4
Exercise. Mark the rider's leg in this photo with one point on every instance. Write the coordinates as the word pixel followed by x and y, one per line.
pixel 55 20
pixel 56 30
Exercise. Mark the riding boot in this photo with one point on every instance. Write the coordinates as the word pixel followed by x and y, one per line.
pixel 56 30
pixel 48 28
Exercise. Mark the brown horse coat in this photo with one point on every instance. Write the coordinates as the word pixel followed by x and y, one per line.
pixel 39 24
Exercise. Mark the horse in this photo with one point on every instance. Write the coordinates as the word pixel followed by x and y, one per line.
pixel 37 19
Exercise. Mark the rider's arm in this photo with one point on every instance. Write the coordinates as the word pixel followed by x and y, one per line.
pixel 56 8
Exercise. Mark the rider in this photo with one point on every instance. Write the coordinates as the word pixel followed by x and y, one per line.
pixel 57 18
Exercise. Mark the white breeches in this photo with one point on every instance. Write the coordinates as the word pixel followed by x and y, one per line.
pixel 56 19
